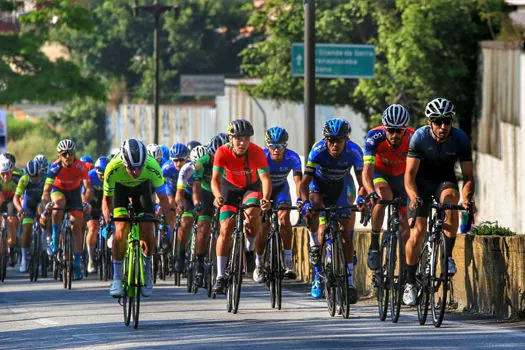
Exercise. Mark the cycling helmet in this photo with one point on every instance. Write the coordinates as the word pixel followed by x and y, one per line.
pixel 113 152
pixel 197 152
pixel 224 137
pixel 32 168
pixel 396 116
pixel 5 164
pixel 165 152
pixel 192 144
pixel 336 127
pixel 276 135
pixel 66 145
pixel 87 159
pixel 215 143
pixel 154 151
pixel 43 161
pixel 133 154
pixel 179 150
pixel 440 107
pixel 240 127
pixel 100 165
pixel 11 157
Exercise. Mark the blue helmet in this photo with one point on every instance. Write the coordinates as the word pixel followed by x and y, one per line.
pixel 86 159
pixel 100 165
pixel 179 150
pixel 165 152
pixel 276 135
pixel 336 127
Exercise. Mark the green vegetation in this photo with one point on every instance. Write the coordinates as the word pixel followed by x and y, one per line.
pixel 488 228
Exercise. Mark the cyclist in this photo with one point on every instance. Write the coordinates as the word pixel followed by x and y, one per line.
pixel 30 187
pixel 282 161
pixel 130 175
pixel 96 176
pixel 88 161
pixel 8 186
pixel 432 154
pixel 165 155
pixel 192 144
pixel 386 148
pixel 44 164
pixel 155 151
pixel 202 195
pixel 325 183
pixel 16 170
pixel 179 154
pixel 63 188
pixel 184 200
pixel 240 175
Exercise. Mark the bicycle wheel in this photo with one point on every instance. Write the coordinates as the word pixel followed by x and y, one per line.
pixel 341 274
pixel 175 254
pixel 278 269
pixel 3 255
pixel 422 276
pixel 238 271
pixel 35 257
pixel 211 267
pixel 395 275
pixel 138 269
pixel 382 277
pixel 327 278
pixel 44 262
pixel 269 266
pixel 32 259
pixel 127 298
pixel 65 257
pixel 69 258
pixel 439 280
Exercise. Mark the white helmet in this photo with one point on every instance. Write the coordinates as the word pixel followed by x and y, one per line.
pixel 66 145
pixel 44 164
pixel 5 164
pixel 197 152
pixel 133 154
pixel 154 151
pixel 440 107
pixel 396 116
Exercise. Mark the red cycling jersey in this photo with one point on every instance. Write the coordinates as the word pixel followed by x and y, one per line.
pixel 67 179
pixel 387 160
pixel 240 171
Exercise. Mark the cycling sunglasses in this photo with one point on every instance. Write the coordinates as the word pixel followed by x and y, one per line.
pixel 66 154
pixel 278 146
pixel 441 121
pixel 395 130
pixel 177 160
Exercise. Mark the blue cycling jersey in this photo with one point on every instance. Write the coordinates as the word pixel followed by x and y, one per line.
pixel 279 170
pixel 171 174
pixel 96 183
pixel 327 168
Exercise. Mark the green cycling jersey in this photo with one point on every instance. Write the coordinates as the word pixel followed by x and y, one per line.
pixel 203 171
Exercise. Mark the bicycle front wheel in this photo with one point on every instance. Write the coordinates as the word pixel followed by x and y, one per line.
pixel 439 280
pixel 138 269
pixel 237 272
pixel 67 261
pixel 328 280
pixel 211 267
pixel 396 267
pixel 423 276
pixel 341 274
pixel 3 254
pixel 382 278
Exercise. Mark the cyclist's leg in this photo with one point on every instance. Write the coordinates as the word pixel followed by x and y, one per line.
pixel 397 186
pixel 448 193
pixel 91 239
pixel 120 237
pixel 74 202
pixel 12 225
pixel 352 194
pixel 186 225
pixel 383 189
pixel 253 227
pixel 203 231
pixel 285 228
pixel 27 225
pixel 143 206
pixel 59 201
pixel 314 232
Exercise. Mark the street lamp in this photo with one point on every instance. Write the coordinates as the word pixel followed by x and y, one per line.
pixel 157 10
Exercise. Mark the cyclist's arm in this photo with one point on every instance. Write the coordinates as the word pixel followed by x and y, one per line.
pixel 368 177
pixel 298 179
pixel 179 197
pixel 467 169
pixel 17 202
pixel 305 183
pixel 266 182
pixel 410 178
pixel 88 194
pixel 107 207
pixel 196 190
pixel 165 206
pixel 216 184
pixel 362 191
pixel 46 195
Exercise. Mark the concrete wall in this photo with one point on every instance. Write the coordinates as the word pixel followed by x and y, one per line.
pixel 490 276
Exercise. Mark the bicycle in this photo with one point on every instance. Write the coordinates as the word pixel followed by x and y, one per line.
pixel 389 278
pixel 4 252
pixel 273 256
pixel 334 272
pixel 161 256
pixel 432 272
pixel 103 254
pixel 175 251
pixel 133 268
pixel 63 260
pixel 210 260
pixel 35 262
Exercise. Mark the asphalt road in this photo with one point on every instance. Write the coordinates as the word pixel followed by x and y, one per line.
pixel 43 315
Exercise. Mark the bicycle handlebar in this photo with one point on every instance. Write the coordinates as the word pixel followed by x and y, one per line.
pixel 137 219
pixel 352 207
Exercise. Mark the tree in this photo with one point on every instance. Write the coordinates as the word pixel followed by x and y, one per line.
pixel 26 73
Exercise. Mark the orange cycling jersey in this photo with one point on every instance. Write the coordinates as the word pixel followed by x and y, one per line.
pixel 67 179
pixel 240 171
pixel 378 151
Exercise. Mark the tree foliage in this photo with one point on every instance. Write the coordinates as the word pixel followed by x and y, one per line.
pixel 424 49
pixel 26 73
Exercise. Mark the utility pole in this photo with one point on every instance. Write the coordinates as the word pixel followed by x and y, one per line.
pixel 157 10
pixel 309 74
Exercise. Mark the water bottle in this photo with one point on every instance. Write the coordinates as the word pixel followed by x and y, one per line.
pixel 465 225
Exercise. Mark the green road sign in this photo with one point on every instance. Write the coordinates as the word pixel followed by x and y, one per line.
pixel 337 60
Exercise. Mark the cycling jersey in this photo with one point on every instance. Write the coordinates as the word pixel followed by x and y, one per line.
pixel 18 171
pixel 279 170
pixel 67 179
pixel 116 173
pixel 386 159
pixel 330 169
pixel 240 171
pixel 171 175
pixel 185 180
pixel 203 171
pixel 438 159
pixel 8 188
pixel 29 189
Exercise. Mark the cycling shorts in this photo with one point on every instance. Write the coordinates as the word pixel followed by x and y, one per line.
pixel 396 183
pixel 30 206
pixel 73 197
pixel 234 196
pixel 281 195
pixel 140 196
pixel 428 189
pixel 334 193
pixel 207 205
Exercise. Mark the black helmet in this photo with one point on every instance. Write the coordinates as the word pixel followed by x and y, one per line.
pixel 240 127
pixel 192 144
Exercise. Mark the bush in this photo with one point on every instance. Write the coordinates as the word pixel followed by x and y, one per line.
pixel 32 143
pixel 487 228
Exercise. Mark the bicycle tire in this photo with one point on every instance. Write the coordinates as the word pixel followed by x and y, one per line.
pixel 210 266
pixel 279 271
pixel 35 258
pixel 238 272
pixel 65 256
pixel 33 254
pixel 44 263
pixel 269 269
pixel 341 274
pixel 70 259
pixel 128 296
pixel 439 281
pixel 56 268
pixel 382 276
pixel 396 270
pixel 4 255
pixel 138 282
pixel 329 284
pixel 423 299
